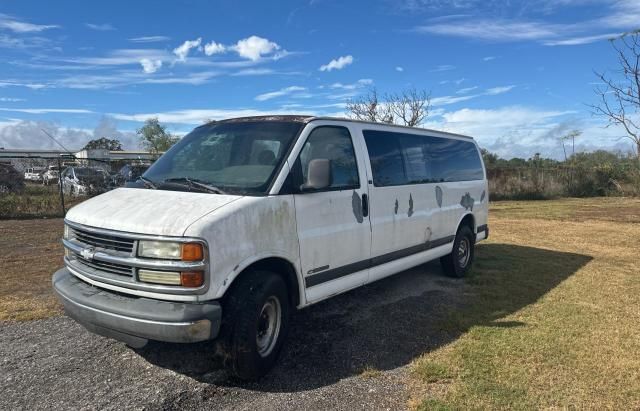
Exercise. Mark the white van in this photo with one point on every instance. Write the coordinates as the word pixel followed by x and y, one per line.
pixel 244 220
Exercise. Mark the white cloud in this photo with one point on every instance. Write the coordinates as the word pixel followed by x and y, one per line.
pixel 466 90
pixel 150 66
pixel 28 134
pixel 337 64
pixel 576 41
pixel 443 67
pixel 11 99
pixel 616 17
pixel 358 84
pixel 446 100
pixel 400 69
pixel 489 58
pixel 47 110
pixel 498 90
pixel 212 48
pixel 183 50
pixel 149 39
pixel 33 86
pixel 17 26
pixel 279 93
pixel 523 131
pixel 195 116
pixel 254 47
pixel 100 27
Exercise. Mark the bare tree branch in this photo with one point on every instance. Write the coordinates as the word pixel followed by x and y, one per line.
pixel 409 107
pixel 620 94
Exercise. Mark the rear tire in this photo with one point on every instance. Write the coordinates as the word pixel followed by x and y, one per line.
pixel 458 263
pixel 255 325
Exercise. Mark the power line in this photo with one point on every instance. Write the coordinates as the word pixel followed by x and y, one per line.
pixel 56 141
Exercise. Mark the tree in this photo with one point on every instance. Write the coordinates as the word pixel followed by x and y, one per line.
pixel 104 143
pixel 155 137
pixel 409 107
pixel 620 95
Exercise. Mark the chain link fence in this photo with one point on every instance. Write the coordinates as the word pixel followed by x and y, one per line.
pixel 45 187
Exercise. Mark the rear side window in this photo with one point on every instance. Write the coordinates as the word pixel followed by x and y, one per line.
pixel 402 158
pixel 454 160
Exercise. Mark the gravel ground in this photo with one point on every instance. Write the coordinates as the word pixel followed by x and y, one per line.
pixel 57 364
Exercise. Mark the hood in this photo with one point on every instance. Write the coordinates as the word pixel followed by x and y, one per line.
pixel 155 212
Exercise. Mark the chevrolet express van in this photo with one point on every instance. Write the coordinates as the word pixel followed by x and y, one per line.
pixel 244 220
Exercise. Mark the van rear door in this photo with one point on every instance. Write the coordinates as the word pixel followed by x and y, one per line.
pixel 333 224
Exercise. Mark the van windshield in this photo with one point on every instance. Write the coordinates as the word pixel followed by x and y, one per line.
pixel 234 157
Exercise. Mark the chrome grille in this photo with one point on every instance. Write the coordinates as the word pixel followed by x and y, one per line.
pixel 99 240
pixel 112 268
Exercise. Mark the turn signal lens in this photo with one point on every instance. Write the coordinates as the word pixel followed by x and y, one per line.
pixel 191 278
pixel 192 252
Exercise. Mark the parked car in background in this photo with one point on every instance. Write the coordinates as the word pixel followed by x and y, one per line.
pixel 51 176
pixel 84 180
pixel 129 173
pixel 11 180
pixel 34 173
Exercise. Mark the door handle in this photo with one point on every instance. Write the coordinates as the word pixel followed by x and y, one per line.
pixel 365 205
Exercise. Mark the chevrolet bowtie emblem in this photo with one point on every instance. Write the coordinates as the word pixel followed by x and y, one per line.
pixel 88 253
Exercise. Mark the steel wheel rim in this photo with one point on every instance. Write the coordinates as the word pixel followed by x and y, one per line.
pixel 269 322
pixel 464 252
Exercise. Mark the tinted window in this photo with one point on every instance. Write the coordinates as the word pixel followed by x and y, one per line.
pixel 334 144
pixel 386 159
pixel 401 158
pixel 454 160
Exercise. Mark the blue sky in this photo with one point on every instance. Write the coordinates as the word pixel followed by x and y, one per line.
pixel 516 75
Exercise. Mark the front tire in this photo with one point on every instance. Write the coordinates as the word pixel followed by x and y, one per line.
pixel 255 325
pixel 458 263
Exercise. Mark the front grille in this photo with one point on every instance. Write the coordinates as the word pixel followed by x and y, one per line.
pixel 111 268
pixel 99 240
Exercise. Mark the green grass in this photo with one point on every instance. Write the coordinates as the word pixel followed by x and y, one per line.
pixel 549 317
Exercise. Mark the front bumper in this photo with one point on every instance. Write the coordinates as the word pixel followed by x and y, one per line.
pixel 135 320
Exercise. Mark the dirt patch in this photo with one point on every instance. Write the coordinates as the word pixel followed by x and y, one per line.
pixel 31 252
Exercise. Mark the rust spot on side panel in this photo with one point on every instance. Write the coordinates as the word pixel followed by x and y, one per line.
pixel 467 202
pixel 356 205
pixel 439 196
pixel 410 212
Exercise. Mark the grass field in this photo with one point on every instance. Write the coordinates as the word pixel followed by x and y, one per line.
pixel 551 313
pixel 549 318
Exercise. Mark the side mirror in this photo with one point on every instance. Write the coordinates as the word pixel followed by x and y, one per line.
pixel 318 174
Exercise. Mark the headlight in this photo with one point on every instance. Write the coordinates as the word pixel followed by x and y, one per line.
pixel 170 250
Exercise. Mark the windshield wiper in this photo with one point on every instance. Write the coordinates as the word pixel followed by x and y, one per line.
pixel 190 182
pixel 149 183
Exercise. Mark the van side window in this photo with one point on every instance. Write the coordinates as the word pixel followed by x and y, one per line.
pixel 332 143
pixel 386 158
pixel 403 158
pixel 454 160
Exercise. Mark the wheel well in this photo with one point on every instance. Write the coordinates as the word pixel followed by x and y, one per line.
pixel 278 266
pixel 469 221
